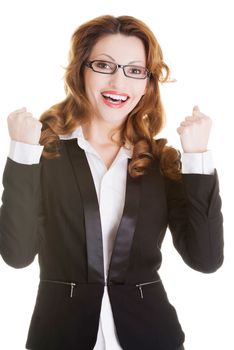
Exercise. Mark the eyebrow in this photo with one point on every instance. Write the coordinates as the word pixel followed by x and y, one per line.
pixel 111 58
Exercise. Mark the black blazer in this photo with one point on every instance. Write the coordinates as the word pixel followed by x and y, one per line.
pixel 51 209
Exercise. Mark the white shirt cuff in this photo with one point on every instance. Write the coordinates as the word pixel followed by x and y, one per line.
pixel 198 163
pixel 25 153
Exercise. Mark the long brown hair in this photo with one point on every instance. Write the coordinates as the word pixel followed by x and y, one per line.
pixel 142 124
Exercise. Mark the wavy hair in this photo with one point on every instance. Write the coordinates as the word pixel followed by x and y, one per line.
pixel 142 124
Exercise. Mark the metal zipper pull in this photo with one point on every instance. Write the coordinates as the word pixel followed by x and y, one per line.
pixel 72 288
pixel 139 286
pixel 140 289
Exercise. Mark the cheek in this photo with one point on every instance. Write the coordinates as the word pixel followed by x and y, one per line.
pixel 140 90
pixel 91 82
pixel 138 94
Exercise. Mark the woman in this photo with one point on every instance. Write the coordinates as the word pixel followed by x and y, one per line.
pixel 91 191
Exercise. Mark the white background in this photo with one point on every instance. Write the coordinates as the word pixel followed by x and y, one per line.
pixel 197 41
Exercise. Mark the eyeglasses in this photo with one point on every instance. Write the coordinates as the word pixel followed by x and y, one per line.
pixel 130 71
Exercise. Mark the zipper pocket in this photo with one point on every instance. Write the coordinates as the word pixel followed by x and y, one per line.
pixel 140 285
pixel 71 284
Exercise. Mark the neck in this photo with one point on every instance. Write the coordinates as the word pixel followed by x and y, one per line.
pixel 100 133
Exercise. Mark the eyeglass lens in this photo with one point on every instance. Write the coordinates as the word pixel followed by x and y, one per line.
pixel 107 67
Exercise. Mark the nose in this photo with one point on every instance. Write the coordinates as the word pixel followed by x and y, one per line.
pixel 118 79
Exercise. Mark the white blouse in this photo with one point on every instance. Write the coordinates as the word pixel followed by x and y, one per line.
pixel 110 185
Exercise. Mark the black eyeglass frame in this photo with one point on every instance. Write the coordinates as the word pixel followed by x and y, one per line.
pixel 89 65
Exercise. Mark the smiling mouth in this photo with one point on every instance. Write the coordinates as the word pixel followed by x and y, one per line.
pixel 115 98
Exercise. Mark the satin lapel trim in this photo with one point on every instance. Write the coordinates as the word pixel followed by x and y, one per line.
pixel 91 211
pixel 124 237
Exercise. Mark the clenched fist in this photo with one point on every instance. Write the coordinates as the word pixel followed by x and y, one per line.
pixel 23 127
pixel 194 132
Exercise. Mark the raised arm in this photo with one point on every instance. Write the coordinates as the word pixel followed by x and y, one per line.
pixel 21 212
pixel 195 217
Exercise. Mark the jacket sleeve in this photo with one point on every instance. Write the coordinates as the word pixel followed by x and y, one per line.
pixel 196 221
pixel 21 213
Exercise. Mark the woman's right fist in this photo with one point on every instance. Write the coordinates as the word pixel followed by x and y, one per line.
pixel 23 127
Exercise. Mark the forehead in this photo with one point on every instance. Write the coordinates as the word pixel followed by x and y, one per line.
pixel 122 48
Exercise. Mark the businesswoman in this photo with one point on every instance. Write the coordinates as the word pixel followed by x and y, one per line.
pixel 91 190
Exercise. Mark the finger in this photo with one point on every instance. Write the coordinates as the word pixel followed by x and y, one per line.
pixel 27 115
pixel 196 109
pixel 191 118
pixel 20 116
pixel 17 112
pixel 198 114
pixel 24 109
pixel 179 130
pixel 186 123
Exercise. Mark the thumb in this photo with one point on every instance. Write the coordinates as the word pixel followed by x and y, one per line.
pixel 196 109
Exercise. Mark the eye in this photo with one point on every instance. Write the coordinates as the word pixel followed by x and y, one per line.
pixel 135 70
pixel 102 66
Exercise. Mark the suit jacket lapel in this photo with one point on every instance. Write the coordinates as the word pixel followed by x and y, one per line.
pixel 91 211
pixel 124 237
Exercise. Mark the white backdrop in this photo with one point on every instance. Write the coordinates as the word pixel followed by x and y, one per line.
pixel 196 37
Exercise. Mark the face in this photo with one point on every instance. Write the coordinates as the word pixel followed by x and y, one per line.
pixel 125 92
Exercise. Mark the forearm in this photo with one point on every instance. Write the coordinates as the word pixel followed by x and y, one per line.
pixel 19 213
pixel 196 221
pixel 205 231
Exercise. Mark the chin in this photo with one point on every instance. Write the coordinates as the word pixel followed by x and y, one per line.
pixel 115 120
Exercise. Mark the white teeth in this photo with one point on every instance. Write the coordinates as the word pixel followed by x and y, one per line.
pixel 116 97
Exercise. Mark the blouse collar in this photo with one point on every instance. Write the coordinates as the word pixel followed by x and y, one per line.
pixel 125 151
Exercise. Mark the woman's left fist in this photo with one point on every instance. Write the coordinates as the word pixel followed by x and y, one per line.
pixel 194 132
